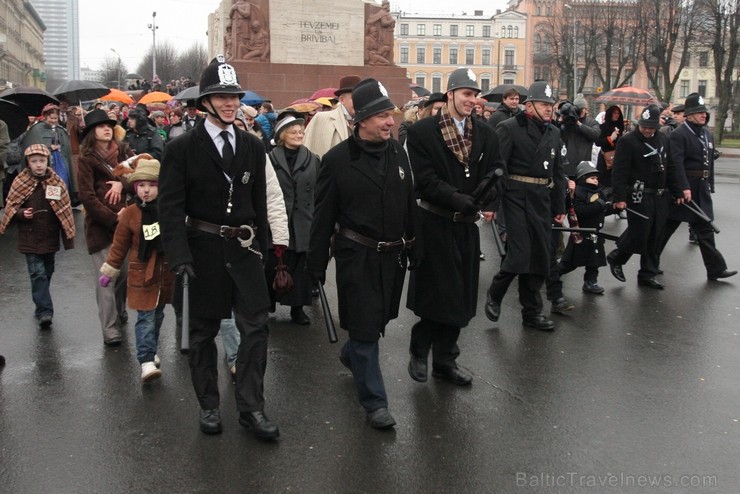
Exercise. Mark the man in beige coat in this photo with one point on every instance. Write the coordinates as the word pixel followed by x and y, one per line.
pixel 327 129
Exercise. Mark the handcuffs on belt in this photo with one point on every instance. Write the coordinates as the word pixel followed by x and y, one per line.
pixel 637 192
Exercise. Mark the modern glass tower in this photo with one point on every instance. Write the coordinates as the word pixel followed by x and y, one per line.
pixel 61 38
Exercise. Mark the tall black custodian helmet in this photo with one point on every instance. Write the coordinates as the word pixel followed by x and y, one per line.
pixel 369 98
pixel 586 169
pixel 650 117
pixel 540 91
pixel 218 78
pixel 462 78
pixel 694 104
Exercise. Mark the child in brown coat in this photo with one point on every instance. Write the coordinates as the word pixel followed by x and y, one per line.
pixel 38 200
pixel 149 277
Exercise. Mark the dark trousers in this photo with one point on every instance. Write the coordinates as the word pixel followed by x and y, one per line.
pixel 649 261
pixel 713 259
pixel 441 339
pixel 40 269
pixel 251 358
pixel 529 291
pixel 363 359
pixel 553 284
pixel 591 274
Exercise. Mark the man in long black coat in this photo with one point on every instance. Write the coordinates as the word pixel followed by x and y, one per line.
pixel 692 152
pixel 533 198
pixel 453 157
pixel 365 185
pixel 642 177
pixel 215 177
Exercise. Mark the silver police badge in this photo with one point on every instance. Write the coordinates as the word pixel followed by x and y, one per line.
pixel 382 89
pixel 548 91
pixel 701 100
pixel 646 114
pixel 471 75
pixel 401 173
pixel 245 178
pixel 227 75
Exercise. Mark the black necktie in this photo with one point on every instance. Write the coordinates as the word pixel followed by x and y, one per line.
pixel 227 151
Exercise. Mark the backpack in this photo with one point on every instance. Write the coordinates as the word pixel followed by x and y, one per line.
pixel 15 152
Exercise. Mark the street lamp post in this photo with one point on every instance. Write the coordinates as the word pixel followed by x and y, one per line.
pixel 153 26
pixel 498 60
pixel 575 59
pixel 118 68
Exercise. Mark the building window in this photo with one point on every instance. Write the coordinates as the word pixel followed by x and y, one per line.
pixel 702 89
pixel 469 30
pixel 508 32
pixel 437 29
pixel 453 56
pixel 503 31
pixel 538 10
pixel 508 57
pixel 469 56
pixel 508 80
pixel 516 31
pixel 437 56
pixel 420 55
pixel 485 84
pixel 404 54
pixel 704 59
pixel 486 56
pixel 486 31
pixel 421 29
pixel 404 29
pixel 537 44
pixel 688 59
pixel 453 29
pixel 421 80
pixel 436 84
pixel 541 72
pixel 684 88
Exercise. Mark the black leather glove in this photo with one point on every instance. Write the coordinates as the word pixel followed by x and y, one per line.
pixel 463 203
pixel 185 268
pixel 317 277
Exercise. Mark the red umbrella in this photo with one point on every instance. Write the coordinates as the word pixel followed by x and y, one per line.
pixel 327 92
pixel 627 95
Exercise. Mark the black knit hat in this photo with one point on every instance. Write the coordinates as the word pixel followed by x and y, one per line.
pixel 369 98
pixel 218 78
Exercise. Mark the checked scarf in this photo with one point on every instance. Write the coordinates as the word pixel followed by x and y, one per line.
pixel 459 145
pixel 22 188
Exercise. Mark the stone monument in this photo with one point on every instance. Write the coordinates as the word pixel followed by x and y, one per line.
pixel 286 49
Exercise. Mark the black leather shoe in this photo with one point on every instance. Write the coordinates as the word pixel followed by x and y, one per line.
pixel 616 270
pixel 493 308
pixel 561 305
pixel 721 274
pixel 210 421
pixel 455 376
pixel 418 369
pixel 539 322
pixel 658 271
pixel 45 322
pixel 591 287
pixel 297 316
pixel 260 425
pixel 381 419
pixel 650 283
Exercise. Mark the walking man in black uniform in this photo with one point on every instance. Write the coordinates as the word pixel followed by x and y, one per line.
pixel 641 177
pixel 365 186
pixel 453 157
pixel 213 215
pixel 692 153
pixel 533 197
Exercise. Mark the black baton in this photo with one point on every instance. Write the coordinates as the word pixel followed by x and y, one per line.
pixel 694 208
pixel 497 238
pixel 330 329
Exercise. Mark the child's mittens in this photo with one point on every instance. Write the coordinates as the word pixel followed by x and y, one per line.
pixel 104 280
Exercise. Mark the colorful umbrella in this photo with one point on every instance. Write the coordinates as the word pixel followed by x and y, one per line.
pixel 155 97
pixel 251 98
pixel 119 96
pixel 304 105
pixel 327 92
pixel 326 101
pixel 627 95
pixel 31 99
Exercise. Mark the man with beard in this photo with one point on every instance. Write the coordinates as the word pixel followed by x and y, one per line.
pixel 454 158
pixel 692 152
pixel 533 198
pixel 641 176
pixel 213 217
pixel 365 186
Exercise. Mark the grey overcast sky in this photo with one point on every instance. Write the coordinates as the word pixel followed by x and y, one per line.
pixel 124 27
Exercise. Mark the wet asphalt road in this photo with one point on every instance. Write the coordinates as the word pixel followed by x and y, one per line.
pixel 635 387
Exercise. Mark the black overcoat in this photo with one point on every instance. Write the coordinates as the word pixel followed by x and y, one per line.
pixel 351 192
pixel 656 172
pixel 692 148
pixel 529 209
pixel 444 288
pixel 192 182
pixel 588 202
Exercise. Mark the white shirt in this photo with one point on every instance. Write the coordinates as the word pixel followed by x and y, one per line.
pixel 215 132
pixel 460 126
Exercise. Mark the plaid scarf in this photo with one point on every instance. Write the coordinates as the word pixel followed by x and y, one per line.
pixel 22 188
pixel 460 146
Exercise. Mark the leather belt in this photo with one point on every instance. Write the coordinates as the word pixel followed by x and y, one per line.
pixel 657 192
pixel 245 232
pixel 374 244
pixel 697 173
pixel 532 180
pixel 455 216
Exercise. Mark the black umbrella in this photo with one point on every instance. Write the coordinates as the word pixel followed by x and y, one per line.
pixel 133 76
pixel 77 91
pixel 14 117
pixel 190 93
pixel 419 90
pixel 496 94
pixel 31 99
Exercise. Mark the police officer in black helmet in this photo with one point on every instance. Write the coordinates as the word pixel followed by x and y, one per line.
pixel 213 215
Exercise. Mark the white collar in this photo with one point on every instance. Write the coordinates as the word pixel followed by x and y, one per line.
pixel 215 131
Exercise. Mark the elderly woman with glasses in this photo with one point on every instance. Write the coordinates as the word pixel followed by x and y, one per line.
pixel 296 168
